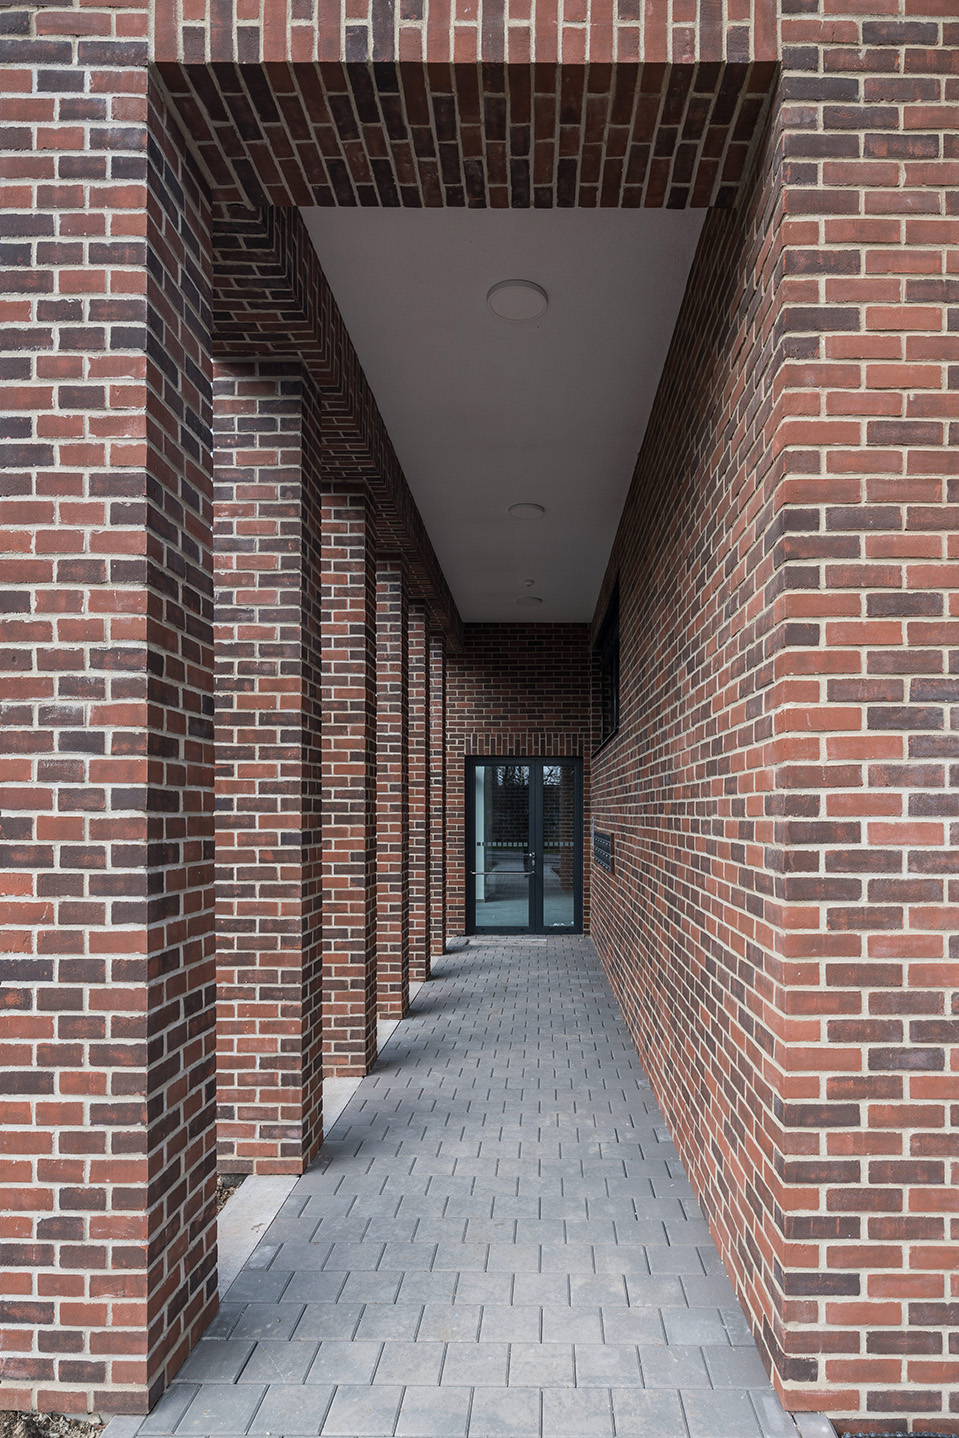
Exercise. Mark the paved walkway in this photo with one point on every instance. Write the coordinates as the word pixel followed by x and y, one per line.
pixel 497 1241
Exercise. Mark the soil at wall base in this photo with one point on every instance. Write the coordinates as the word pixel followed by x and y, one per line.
pixel 46 1425
pixel 59 1425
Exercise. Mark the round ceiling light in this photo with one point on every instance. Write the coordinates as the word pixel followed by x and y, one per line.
pixel 517 300
pixel 527 511
pixel 529 599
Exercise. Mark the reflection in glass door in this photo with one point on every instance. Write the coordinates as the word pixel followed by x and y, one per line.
pixel 524 856
pixel 558 868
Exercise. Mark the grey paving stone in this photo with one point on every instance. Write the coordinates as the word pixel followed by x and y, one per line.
pixel 225 1320
pixel 364 1287
pixel 329 1320
pixel 714 1291
pixel 499 1412
pixel 269 1320
pixel 472 1364
pixel 427 1288
pixel 587 1290
pixel 279 1361
pixel 447 1323
pixel 484 1288
pixel 255 1286
pixel 568 1258
pixel 381 1321
pixel 774 1421
pixel 216 1360
pixel 625 1258
pixel 513 1258
pixel 577 1413
pixel 408 1257
pixel 411 1363
pixel 600 1365
pixel 520 1324
pixel 735 1368
pixel 167 1413
pixel 695 1325
pixel 434 1413
pixel 541 1290
pixel 683 1258
pixel 680 1367
pixel 645 1413
pixel 663 1291
pixel 314 1287
pixel 719 1415
pixel 572 1325
pixel 633 1325
pixel 502 1178
pixel 221 1408
pixel 344 1362
pixel 289 1408
pixel 736 1326
pixel 460 1257
pixel 362 1412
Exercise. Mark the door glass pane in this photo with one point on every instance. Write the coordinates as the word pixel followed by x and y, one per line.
pixel 501 846
pixel 559 853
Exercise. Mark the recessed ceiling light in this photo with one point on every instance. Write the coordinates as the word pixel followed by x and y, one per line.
pixel 517 300
pixel 527 511
pixel 529 599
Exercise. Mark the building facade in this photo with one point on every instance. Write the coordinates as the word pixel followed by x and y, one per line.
pixel 239 697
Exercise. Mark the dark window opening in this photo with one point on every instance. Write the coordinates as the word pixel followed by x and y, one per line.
pixel 607 658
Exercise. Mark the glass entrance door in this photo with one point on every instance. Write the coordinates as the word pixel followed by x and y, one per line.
pixel 524 846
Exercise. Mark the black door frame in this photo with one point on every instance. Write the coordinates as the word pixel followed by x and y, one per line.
pixel 536 767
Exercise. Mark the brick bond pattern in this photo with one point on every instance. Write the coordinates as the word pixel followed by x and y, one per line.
pixel 392 792
pixel 469 135
pixel 545 32
pixel 348 793
pixel 514 689
pixel 781 789
pixel 268 720
pixel 437 795
pixel 108 1238
pixel 418 790
pixel 828 963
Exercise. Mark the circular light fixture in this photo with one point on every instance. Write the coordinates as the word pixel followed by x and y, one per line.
pixel 529 599
pixel 527 511
pixel 517 300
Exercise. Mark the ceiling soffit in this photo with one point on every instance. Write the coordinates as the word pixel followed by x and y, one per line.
pixel 497 136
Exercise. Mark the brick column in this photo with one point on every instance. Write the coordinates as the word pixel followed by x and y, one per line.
pixel 269 1042
pixel 348 627
pixel 868 906
pixel 392 797
pixel 419 765
pixel 106 1216
pixel 437 796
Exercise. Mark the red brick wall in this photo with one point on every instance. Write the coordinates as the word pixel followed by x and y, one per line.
pixel 418 787
pixel 781 923
pixel 107 1236
pixel 520 689
pixel 268 854
pixel 348 794
pixel 392 792
pixel 437 794
pixel 543 32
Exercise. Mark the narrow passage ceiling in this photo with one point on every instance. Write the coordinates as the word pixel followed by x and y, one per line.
pixel 485 412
